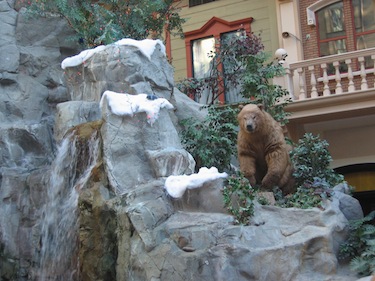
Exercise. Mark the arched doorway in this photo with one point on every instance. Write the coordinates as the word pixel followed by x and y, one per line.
pixel 362 177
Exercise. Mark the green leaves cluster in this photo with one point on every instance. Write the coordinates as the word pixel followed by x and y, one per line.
pixel 106 21
pixel 360 245
pixel 239 198
pixel 257 85
pixel 212 141
pixel 311 159
pixel 310 194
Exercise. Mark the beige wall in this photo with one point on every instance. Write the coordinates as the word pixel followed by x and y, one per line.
pixel 263 12
pixel 351 139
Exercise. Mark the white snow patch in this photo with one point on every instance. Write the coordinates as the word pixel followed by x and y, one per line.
pixel 146 46
pixel 125 104
pixel 177 185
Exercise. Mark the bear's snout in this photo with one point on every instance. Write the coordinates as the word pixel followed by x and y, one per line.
pixel 250 127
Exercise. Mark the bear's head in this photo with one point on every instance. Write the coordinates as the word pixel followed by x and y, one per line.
pixel 251 117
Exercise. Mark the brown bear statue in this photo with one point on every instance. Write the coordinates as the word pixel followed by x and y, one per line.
pixel 263 154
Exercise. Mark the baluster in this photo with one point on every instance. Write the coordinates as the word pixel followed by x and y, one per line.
pixel 373 59
pixel 314 92
pixel 338 89
pixel 290 85
pixel 326 91
pixel 351 87
pixel 363 73
pixel 302 92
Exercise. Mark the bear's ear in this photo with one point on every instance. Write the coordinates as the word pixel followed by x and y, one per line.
pixel 261 106
pixel 241 106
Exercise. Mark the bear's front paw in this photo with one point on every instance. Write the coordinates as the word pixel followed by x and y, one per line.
pixel 252 180
pixel 269 182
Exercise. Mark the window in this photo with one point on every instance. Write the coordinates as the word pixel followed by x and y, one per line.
pixel 332 33
pixel 193 3
pixel 200 43
pixel 201 59
pixel 364 24
pixel 203 67
pixel 334 27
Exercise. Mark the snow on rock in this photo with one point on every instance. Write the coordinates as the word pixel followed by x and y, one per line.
pixel 125 104
pixel 146 46
pixel 177 185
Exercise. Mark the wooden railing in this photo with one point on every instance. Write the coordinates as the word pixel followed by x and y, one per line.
pixel 332 75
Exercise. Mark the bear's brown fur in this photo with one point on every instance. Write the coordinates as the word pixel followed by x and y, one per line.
pixel 263 154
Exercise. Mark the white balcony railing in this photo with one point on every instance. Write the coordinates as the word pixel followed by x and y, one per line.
pixel 331 75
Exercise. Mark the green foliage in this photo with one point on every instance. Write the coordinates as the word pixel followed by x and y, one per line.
pixel 239 198
pixel 257 85
pixel 311 160
pixel 212 141
pixel 311 194
pixel 360 245
pixel 106 21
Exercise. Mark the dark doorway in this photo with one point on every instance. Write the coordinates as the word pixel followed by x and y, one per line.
pixel 362 178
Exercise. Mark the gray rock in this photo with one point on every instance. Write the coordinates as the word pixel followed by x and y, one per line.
pixel 121 69
pixel 171 161
pixel 73 113
pixel 348 205
pixel 125 142
pixel 25 147
pixel 9 58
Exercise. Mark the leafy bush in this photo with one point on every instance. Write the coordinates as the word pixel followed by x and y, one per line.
pixel 239 198
pixel 257 85
pixel 310 194
pixel 311 159
pixel 360 245
pixel 213 141
pixel 106 21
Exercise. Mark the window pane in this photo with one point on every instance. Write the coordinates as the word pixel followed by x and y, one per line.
pixel 364 15
pixel 364 42
pixel 201 56
pixel 331 21
pixel 231 66
pixel 332 47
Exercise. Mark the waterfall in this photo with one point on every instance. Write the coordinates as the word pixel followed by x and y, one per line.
pixel 70 172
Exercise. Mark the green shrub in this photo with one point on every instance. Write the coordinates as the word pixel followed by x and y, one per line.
pixel 311 159
pixel 360 245
pixel 310 194
pixel 239 198
pixel 213 141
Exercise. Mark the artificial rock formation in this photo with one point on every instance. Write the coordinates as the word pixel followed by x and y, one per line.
pixel 128 226
pixel 31 85
pixel 192 238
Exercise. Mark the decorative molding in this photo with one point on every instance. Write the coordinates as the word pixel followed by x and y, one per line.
pixel 312 9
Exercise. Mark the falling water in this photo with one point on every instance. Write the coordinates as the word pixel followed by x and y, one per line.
pixel 59 238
